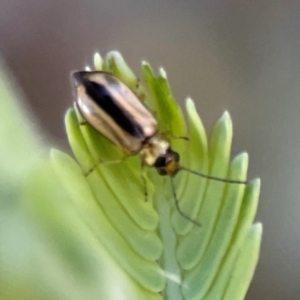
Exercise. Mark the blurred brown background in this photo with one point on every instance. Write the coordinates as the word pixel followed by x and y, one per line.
pixel 243 56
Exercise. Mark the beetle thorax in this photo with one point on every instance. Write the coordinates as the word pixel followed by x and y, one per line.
pixel 154 148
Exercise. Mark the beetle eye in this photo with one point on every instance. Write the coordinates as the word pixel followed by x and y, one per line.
pixel 172 155
pixel 176 156
pixel 160 162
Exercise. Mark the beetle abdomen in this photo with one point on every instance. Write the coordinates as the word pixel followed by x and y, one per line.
pixel 114 110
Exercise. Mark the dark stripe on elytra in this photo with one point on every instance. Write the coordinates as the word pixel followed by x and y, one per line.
pixel 104 123
pixel 104 99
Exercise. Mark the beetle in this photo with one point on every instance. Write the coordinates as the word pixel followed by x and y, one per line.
pixel 112 108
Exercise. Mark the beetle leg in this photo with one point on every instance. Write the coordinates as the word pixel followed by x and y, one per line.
pixel 107 162
pixel 144 180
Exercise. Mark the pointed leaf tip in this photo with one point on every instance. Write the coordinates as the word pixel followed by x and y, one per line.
pixel 224 123
pixel 256 182
pixel 115 53
pixel 190 105
pixel 163 73
pixel 242 156
pixel 225 116
pixel 98 61
pixel 189 101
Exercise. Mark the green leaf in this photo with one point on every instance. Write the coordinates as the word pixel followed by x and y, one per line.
pixel 69 235
pixel 191 256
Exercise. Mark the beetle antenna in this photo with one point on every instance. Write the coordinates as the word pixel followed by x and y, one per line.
pixel 177 205
pixel 213 177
